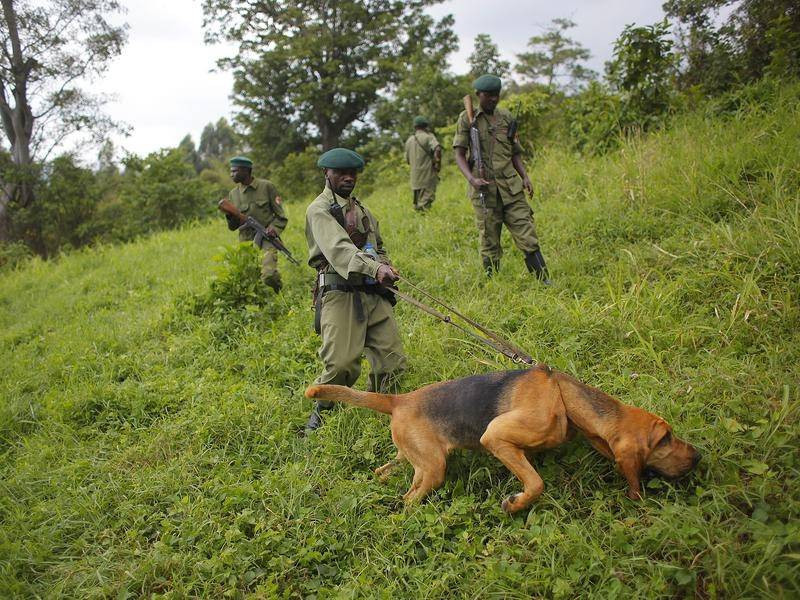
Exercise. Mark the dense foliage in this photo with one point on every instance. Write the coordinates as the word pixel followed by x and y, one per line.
pixel 47 50
pixel 311 74
pixel 148 443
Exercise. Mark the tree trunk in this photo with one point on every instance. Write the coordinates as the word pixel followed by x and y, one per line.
pixel 329 135
pixel 17 120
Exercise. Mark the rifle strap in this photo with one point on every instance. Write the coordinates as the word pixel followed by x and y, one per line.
pixel 430 154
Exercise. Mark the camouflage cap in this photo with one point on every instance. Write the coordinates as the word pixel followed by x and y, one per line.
pixel 487 83
pixel 340 158
pixel 241 161
pixel 420 121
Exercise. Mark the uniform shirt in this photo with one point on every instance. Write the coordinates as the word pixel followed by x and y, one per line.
pixel 329 243
pixel 260 200
pixel 496 151
pixel 419 154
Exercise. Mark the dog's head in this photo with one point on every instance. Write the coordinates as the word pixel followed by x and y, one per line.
pixel 669 456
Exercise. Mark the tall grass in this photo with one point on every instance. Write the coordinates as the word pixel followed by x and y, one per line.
pixel 150 449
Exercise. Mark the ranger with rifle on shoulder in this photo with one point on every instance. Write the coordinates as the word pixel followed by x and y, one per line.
pixel 255 208
pixel 497 178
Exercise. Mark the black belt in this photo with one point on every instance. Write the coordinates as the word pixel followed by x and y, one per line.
pixel 346 287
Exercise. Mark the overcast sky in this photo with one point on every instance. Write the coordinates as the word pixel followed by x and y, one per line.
pixel 164 88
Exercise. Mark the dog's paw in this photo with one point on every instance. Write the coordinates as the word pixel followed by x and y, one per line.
pixel 634 494
pixel 510 504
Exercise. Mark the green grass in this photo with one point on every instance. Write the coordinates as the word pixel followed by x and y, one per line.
pixel 150 449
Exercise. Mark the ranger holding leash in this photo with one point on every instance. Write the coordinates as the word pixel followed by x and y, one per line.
pixel 353 307
pixel 497 178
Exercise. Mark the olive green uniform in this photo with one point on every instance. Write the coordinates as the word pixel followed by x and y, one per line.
pixel 505 197
pixel 420 149
pixel 356 321
pixel 260 200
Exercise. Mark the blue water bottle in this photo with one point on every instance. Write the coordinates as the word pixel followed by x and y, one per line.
pixel 370 249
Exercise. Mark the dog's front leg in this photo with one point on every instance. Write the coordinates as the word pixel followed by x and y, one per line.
pixel 631 469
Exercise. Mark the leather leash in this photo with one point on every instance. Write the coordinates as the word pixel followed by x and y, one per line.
pixel 492 340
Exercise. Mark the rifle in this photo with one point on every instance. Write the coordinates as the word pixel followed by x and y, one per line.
pixel 261 232
pixel 514 126
pixel 475 148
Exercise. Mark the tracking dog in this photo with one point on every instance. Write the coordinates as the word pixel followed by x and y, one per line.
pixel 509 412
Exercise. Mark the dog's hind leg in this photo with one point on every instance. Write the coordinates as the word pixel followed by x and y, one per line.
pixel 426 478
pixel 429 462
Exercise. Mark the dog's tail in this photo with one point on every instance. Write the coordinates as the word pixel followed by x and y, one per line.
pixel 339 393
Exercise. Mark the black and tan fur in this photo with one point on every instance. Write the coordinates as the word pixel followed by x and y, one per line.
pixel 510 412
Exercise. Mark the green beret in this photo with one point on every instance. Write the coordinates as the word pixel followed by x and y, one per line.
pixel 487 83
pixel 340 158
pixel 241 161
pixel 420 121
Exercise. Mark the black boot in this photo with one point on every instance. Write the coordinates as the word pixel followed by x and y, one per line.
pixel 383 383
pixel 315 418
pixel 535 263
pixel 491 266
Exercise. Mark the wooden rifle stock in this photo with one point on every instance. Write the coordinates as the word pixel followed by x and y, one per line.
pixel 228 208
pixel 468 108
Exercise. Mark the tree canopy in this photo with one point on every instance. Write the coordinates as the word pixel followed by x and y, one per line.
pixel 309 70
pixel 555 58
pixel 485 58
pixel 46 51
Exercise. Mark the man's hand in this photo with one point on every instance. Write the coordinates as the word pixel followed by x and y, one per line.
pixel 387 275
pixel 526 183
pixel 233 222
pixel 478 182
pixel 271 232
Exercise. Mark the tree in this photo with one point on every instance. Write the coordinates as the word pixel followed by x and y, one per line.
pixel 191 156
pixel 555 57
pixel 45 51
pixel 312 68
pixel 428 88
pixel 65 203
pixel 485 58
pixel 642 69
pixel 758 37
pixel 218 141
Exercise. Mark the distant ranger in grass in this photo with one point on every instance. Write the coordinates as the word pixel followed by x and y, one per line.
pixel 258 198
pixel 353 308
pixel 424 156
pixel 497 193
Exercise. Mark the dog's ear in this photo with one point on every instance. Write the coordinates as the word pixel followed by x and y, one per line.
pixel 660 434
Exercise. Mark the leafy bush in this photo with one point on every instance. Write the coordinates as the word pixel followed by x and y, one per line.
pixel 236 283
pixel 594 119
pixel 13 254
pixel 66 196
pixel 157 192
pixel 298 177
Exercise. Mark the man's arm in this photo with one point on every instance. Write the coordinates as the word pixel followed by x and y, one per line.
pixel 437 153
pixel 516 160
pixel 461 161
pixel 337 247
pixel 279 220
pixel 460 146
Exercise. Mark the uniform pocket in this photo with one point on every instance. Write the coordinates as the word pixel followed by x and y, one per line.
pixel 515 184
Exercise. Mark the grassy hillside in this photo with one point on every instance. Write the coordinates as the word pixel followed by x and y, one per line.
pixel 150 448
